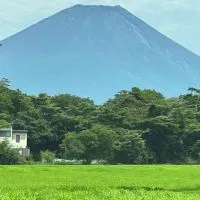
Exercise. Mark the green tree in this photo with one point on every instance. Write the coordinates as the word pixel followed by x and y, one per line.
pixel 130 148
pixel 195 151
pixel 4 82
pixel 8 156
pixel 47 156
pixel 4 124
pixel 163 139
pixel 98 142
pixel 73 147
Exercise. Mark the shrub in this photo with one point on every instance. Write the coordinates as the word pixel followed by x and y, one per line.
pixel 8 156
pixel 47 156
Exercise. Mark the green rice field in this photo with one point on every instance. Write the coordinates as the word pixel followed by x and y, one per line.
pixel 100 182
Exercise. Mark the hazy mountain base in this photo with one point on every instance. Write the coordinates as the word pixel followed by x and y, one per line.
pixel 96 51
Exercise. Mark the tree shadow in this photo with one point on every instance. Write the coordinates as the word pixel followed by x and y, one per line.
pixel 134 188
pixel 131 189
pixel 74 188
pixel 149 189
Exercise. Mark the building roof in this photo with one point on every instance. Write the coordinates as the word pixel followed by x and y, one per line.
pixel 15 131
pixel 20 131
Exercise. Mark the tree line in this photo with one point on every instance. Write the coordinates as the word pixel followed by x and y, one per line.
pixel 135 127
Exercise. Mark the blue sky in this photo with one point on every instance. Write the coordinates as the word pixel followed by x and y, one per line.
pixel 178 19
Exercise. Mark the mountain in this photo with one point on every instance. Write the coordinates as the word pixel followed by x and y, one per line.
pixel 96 51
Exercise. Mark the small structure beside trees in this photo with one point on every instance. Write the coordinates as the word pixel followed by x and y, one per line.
pixel 16 139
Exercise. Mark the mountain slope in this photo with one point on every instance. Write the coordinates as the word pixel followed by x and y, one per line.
pixel 95 51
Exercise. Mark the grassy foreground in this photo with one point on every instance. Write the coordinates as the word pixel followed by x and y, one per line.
pixel 100 182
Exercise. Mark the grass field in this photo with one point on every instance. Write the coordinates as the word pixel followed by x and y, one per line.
pixel 100 182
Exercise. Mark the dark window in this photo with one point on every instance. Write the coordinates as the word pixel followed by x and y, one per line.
pixel 5 133
pixel 17 138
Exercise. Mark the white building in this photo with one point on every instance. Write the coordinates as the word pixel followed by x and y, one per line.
pixel 16 138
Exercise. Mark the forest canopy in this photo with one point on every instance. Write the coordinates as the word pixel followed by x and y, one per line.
pixel 135 127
